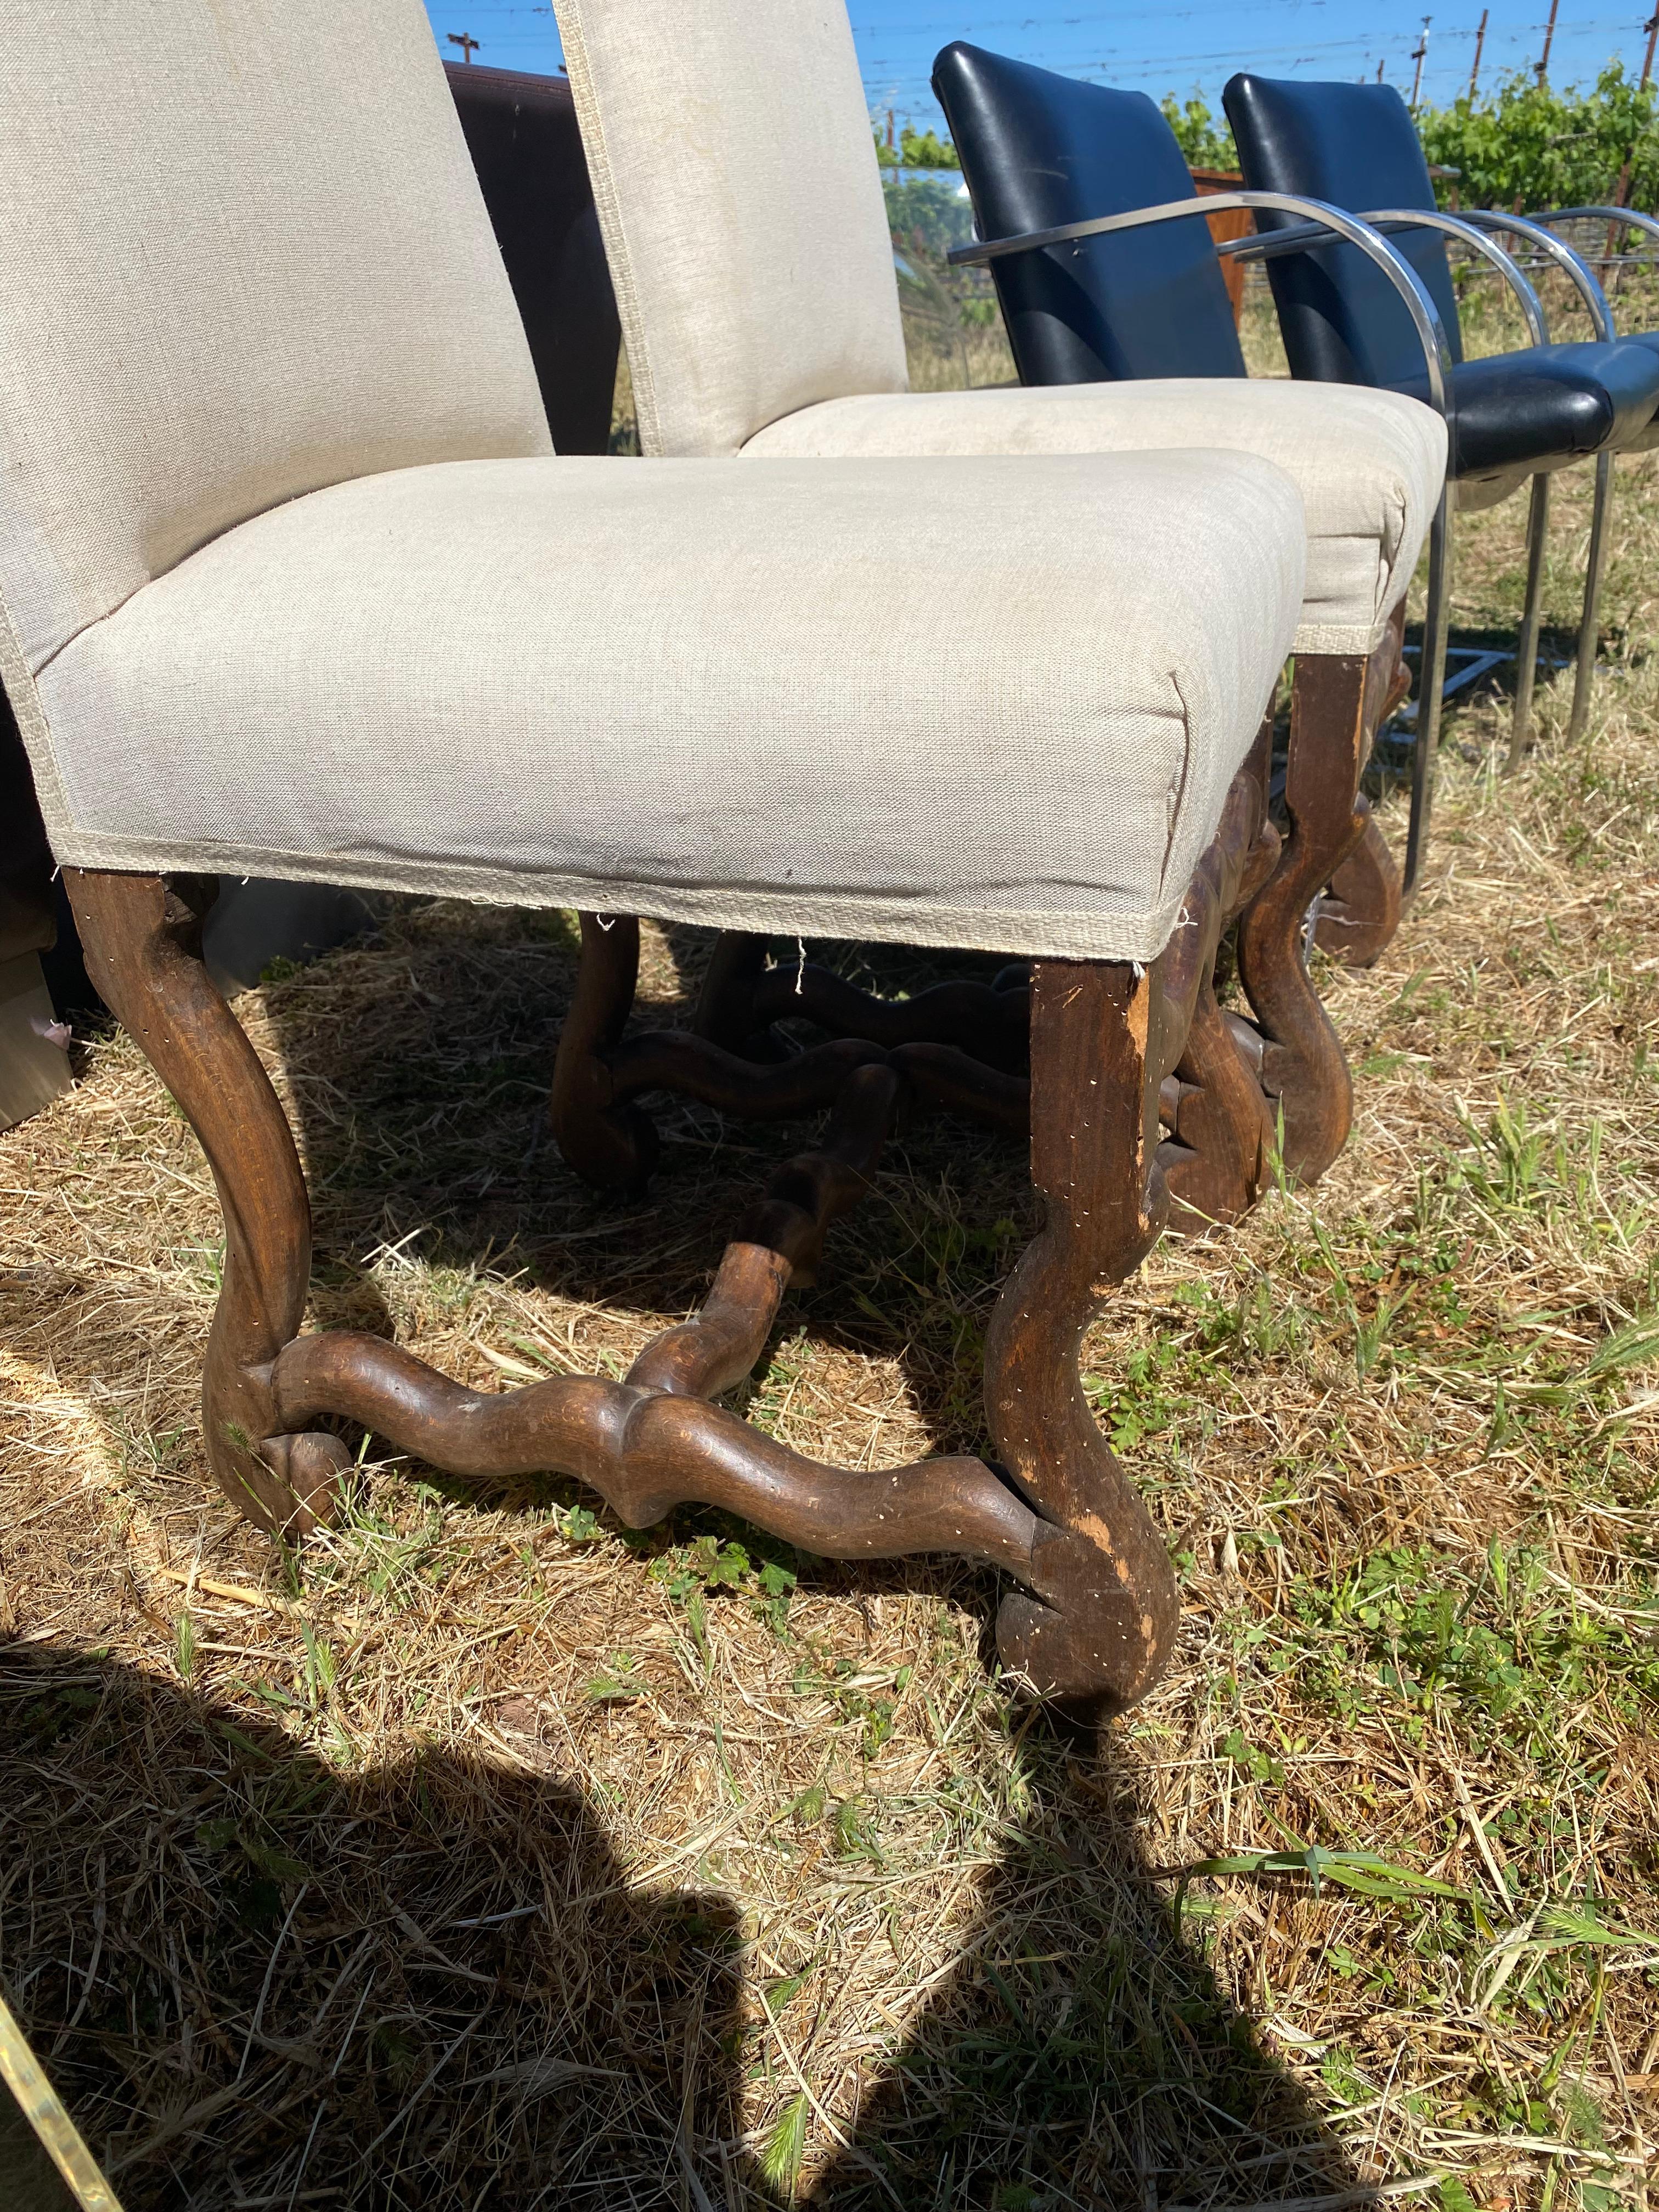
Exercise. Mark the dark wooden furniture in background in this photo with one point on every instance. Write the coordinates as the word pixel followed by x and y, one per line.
pixel 34 1066
pixel 521 133
pixel 1232 222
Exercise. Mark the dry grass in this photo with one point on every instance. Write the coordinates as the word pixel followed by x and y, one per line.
pixel 481 1856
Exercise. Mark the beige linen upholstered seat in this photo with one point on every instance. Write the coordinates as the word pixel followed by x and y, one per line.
pixel 1368 475
pixel 293 584
pixel 699 690
pixel 754 274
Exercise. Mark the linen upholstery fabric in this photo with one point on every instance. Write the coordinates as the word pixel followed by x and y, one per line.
pixel 702 690
pixel 729 145
pixel 245 256
pixel 1369 464
pixel 754 273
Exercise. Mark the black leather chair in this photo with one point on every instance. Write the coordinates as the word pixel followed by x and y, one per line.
pixel 1040 151
pixel 1105 269
pixel 1518 415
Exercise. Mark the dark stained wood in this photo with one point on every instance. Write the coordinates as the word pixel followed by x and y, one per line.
pixel 742 995
pixel 1360 912
pixel 1214 1157
pixel 726 1004
pixel 1303 1069
pixel 1101 1622
pixel 144 952
pixel 992 1024
pixel 958 1046
pixel 944 1078
pixel 777 1244
pixel 607 1141
pixel 783 1090
pixel 1094 1618
pixel 646 1451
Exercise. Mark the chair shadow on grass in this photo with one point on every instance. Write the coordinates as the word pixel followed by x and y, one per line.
pixel 260 1981
pixel 257 1981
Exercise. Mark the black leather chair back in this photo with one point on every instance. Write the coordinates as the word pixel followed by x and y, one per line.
pixel 1038 150
pixel 1356 146
pixel 521 132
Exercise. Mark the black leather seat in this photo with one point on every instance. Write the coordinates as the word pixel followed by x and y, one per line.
pixel 1356 146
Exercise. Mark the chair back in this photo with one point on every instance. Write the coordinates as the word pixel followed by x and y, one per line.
pixel 1356 146
pixel 730 147
pixel 245 257
pixel 1039 150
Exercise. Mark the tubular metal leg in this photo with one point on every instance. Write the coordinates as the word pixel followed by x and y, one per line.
pixel 1430 689
pixel 1584 673
pixel 1526 644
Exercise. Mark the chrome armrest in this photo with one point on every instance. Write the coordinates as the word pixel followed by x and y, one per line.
pixel 1387 219
pixel 1322 222
pixel 1557 250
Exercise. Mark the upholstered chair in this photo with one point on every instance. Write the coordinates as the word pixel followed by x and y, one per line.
pixel 292 582
pixel 1520 416
pixel 754 273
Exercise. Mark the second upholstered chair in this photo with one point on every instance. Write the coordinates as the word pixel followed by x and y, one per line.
pixel 754 274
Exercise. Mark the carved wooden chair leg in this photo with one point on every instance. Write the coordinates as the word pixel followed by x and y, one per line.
pixel 1102 1622
pixel 608 1142
pixel 1214 1157
pixel 1304 1068
pixel 775 1246
pixel 1099 1619
pixel 142 942
pixel 1359 915
pixel 725 1012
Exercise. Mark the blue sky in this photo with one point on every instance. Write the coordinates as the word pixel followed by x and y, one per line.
pixel 1178 48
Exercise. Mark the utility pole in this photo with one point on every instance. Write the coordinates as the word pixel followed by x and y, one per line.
pixel 1418 52
pixel 1651 26
pixel 1479 41
pixel 1549 40
pixel 1379 70
pixel 466 42
pixel 890 130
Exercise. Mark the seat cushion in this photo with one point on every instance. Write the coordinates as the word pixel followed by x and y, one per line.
pixel 710 691
pixel 1544 406
pixel 1368 465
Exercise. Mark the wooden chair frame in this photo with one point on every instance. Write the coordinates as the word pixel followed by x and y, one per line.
pixel 1109 1047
